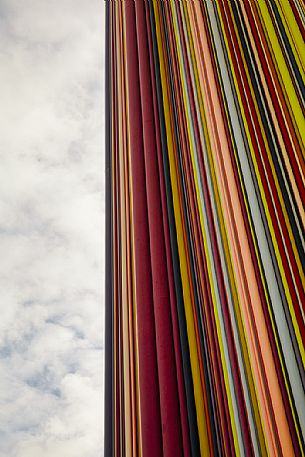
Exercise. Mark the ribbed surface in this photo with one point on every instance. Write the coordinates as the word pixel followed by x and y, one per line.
pixel 205 328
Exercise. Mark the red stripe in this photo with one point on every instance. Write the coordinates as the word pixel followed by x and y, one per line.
pixel 151 435
pixel 164 339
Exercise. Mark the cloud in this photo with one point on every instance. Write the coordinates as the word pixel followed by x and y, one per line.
pixel 51 228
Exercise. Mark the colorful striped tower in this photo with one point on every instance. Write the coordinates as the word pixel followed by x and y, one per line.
pixel 205 282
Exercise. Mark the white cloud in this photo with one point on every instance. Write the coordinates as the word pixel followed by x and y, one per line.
pixel 51 227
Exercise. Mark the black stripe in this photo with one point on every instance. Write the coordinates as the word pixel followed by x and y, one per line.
pixel 108 404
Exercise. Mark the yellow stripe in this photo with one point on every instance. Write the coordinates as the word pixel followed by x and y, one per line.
pixel 293 33
pixel 133 267
pixel 291 97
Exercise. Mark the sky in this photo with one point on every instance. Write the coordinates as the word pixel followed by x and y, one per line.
pixel 51 227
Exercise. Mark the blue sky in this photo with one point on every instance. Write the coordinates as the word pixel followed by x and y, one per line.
pixel 51 227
